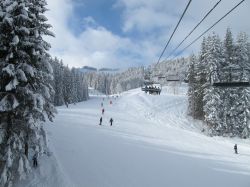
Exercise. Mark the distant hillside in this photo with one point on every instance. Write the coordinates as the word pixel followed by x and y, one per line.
pixel 108 70
pixel 88 69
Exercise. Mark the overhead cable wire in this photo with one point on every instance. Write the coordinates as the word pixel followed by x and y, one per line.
pixel 174 31
pixel 209 28
pixel 194 28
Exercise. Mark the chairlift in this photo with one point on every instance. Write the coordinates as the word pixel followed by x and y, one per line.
pixel 154 88
pixel 230 77
pixel 150 86
pixel 186 80
pixel 173 78
pixel 160 76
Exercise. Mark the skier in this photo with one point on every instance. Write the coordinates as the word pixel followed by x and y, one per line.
pixel 100 121
pixel 35 160
pixel 101 104
pixel 103 111
pixel 235 149
pixel 111 121
pixel 110 102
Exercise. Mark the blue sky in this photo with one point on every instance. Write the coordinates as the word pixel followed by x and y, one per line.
pixel 101 11
pixel 126 33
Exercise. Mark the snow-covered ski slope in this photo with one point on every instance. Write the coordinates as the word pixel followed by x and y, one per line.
pixel 152 143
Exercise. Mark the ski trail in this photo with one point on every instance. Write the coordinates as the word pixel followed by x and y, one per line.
pixel 152 143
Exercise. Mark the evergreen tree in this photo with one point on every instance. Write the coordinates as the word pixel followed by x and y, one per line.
pixel 58 82
pixel 67 92
pixel 193 85
pixel 25 90
pixel 213 109
pixel 228 48
pixel 201 78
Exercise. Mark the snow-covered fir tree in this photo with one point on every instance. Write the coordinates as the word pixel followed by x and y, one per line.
pixel 201 76
pixel 193 85
pixel 212 96
pixel 58 81
pixel 25 90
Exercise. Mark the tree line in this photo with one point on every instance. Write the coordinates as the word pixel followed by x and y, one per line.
pixel 110 83
pixel 70 85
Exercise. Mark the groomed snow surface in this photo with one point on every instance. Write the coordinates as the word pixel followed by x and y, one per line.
pixel 152 143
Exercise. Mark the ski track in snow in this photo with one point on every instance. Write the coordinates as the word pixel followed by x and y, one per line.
pixel 152 143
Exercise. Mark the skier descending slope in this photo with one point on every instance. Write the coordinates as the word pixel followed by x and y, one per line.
pixel 111 121
pixel 100 121
pixel 35 160
pixel 235 149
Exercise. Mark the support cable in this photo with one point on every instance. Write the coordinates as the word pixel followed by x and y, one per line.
pixel 174 31
pixel 209 28
pixel 194 28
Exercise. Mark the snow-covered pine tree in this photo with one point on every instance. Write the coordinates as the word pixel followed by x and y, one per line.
pixel 242 108
pixel 192 86
pixel 241 50
pixel 58 82
pixel 67 92
pixel 79 86
pixel 73 89
pixel 25 90
pixel 248 52
pixel 84 88
pixel 228 48
pixel 213 107
pixel 228 97
pixel 201 78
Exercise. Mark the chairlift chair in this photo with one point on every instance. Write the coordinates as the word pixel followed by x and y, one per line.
pixel 173 78
pixel 160 76
pixel 149 86
pixel 233 77
pixel 152 88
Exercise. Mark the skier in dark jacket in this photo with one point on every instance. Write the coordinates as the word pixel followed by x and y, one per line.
pixel 103 111
pixel 235 149
pixel 35 160
pixel 100 121
pixel 111 121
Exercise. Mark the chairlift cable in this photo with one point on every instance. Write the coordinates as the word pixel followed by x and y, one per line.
pixel 209 28
pixel 194 28
pixel 174 31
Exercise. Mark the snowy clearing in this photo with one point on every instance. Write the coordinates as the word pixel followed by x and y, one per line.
pixel 152 143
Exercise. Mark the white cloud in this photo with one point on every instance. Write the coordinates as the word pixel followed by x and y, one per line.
pixel 95 46
pixel 154 20
pixel 145 20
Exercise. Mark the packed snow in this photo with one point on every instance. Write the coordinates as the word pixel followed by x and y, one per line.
pixel 152 143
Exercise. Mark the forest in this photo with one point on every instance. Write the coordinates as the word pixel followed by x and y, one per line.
pixel 224 109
